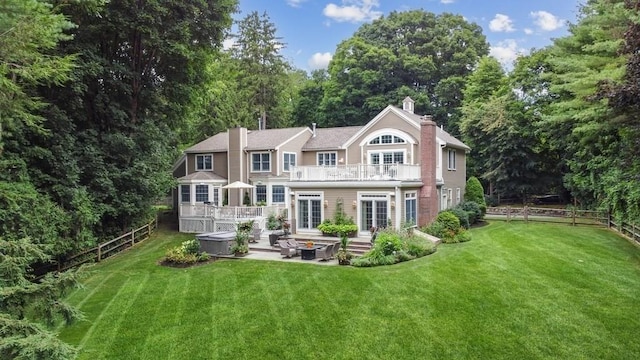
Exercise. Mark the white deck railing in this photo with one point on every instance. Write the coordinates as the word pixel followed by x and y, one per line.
pixel 227 212
pixel 357 172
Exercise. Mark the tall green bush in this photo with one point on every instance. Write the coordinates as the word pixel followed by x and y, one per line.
pixel 475 192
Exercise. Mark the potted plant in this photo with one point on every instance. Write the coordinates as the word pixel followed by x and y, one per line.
pixel 343 255
pixel 243 230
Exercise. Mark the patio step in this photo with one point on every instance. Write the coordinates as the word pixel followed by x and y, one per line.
pixel 357 247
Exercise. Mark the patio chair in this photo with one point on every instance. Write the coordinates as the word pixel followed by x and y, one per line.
pixel 334 250
pixel 324 253
pixel 286 249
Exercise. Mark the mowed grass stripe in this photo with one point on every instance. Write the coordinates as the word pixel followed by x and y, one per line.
pixel 525 291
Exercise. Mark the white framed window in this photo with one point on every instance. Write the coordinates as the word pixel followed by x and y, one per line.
pixel 449 198
pixel 452 159
pixel 387 157
pixel 261 193
pixel 277 194
pixel 457 196
pixel 202 193
pixel 185 193
pixel 288 161
pixel 443 201
pixel 327 159
pixel 261 162
pixel 411 208
pixel 204 162
pixel 387 139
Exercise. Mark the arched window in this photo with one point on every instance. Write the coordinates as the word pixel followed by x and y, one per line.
pixel 387 139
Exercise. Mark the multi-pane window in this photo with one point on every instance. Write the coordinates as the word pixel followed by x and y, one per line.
pixel 288 161
pixel 457 195
pixel 452 159
pixel 387 139
pixel 202 193
pixel 204 162
pixel 261 193
pixel 410 208
pixel 327 159
pixel 261 162
pixel 185 193
pixel 277 193
pixel 388 157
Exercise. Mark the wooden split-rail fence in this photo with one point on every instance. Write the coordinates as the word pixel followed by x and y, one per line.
pixel 107 248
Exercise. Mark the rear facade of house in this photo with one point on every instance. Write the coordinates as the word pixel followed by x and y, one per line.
pixel 399 169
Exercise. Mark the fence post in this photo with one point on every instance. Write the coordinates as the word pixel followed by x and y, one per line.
pixel 508 213
pixel 573 215
pixel 526 214
pixel 633 231
pixel 99 252
pixel 133 236
pixel 608 219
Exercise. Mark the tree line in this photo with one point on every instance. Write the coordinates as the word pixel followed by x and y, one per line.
pixel 97 99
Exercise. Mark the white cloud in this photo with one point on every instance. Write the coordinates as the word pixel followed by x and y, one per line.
pixel 506 52
pixel 528 31
pixel 546 21
pixel 353 11
pixel 501 23
pixel 447 1
pixel 320 61
pixel 295 3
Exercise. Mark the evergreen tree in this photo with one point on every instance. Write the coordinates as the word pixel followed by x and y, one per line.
pixel 263 71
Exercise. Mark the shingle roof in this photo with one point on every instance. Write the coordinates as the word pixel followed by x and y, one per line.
pixel 270 138
pixel 330 138
pixel 216 143
pixel 443 135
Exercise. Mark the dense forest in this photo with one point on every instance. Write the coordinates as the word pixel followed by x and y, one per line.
pixel 97 99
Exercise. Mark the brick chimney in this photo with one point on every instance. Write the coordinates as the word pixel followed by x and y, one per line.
pixel 428 196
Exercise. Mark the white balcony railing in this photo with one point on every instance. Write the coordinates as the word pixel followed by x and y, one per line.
pixel 357 172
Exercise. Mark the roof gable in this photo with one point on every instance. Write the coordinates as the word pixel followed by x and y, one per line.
pixel 330 138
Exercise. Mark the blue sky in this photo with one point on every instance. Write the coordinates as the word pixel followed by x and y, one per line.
pixel 312 29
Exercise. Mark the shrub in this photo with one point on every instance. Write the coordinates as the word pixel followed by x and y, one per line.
pixel 474 192
pixel 449 220
pixel 462 216
pixel 187 253
pixel 388 242
pixel 463 236
pixel 474 211
pixel 419 247
pixel 393 247
pixel 337 229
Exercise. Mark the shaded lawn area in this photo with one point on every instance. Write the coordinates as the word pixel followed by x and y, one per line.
pixel 516 291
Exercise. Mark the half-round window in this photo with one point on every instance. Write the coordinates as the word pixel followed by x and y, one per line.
pixel 387 139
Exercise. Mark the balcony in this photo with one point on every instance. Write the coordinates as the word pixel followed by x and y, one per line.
pixel 357 172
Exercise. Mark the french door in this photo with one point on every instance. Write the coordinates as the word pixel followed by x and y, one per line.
pixel 374 211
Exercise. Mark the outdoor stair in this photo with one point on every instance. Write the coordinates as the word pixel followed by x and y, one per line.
pixel 357 246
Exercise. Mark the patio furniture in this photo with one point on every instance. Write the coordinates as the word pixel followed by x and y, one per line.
pixel 308 252
pixel 325 253
pixel 334 251
pixel 286 249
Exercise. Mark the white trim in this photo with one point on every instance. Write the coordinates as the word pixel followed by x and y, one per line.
pixel 202 155
pixel 311 195
pixel 327 152
pixel 388 131
pixel 374 195
pixel 295 154
pixel 392 151
pixel 449 151
pixel 251 161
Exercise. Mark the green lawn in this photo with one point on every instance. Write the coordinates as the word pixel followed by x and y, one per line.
pixel 516 291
